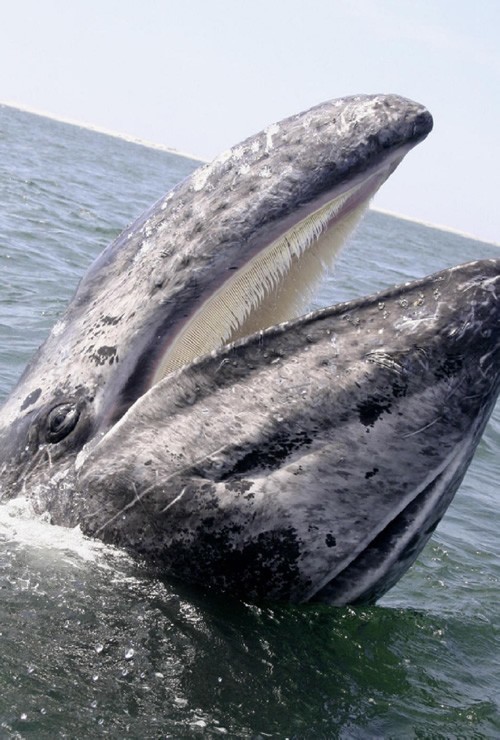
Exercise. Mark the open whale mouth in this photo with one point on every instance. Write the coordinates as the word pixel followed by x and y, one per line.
pixel 278 274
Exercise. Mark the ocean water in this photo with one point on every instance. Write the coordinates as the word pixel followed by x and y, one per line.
pixel 92 646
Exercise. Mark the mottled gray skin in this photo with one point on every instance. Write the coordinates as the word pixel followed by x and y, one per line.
pixel 313 461
pixel 310 462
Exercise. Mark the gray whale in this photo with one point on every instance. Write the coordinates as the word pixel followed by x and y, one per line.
pixel 182 409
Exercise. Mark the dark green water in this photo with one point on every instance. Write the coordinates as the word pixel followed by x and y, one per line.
pixel 93 646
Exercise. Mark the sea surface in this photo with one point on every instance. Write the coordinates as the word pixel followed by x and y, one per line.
pixel 91 645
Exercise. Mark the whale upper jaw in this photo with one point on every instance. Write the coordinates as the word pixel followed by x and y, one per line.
pixel 233 249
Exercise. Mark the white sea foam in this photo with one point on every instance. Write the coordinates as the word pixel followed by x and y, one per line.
pixel 20 524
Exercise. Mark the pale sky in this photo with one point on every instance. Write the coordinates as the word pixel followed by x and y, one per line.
pixel 200 75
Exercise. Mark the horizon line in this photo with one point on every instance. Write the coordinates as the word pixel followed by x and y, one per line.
pixel 438 227
pixel 101 130
pixel 186 155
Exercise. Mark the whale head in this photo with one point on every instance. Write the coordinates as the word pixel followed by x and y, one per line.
pixel 182 409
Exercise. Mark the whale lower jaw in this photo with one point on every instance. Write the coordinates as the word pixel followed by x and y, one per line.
pixel 310 461
pixel 393 550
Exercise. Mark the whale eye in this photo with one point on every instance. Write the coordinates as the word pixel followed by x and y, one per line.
pixel 61 421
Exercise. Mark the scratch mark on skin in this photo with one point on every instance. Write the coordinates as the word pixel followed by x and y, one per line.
pixel 174 501
pixel 422 429
pixel 138 497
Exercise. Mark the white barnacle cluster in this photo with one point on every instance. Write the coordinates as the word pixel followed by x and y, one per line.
pixel 271 131
pixel 58 328
pixel 200 177
pixel 167 199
